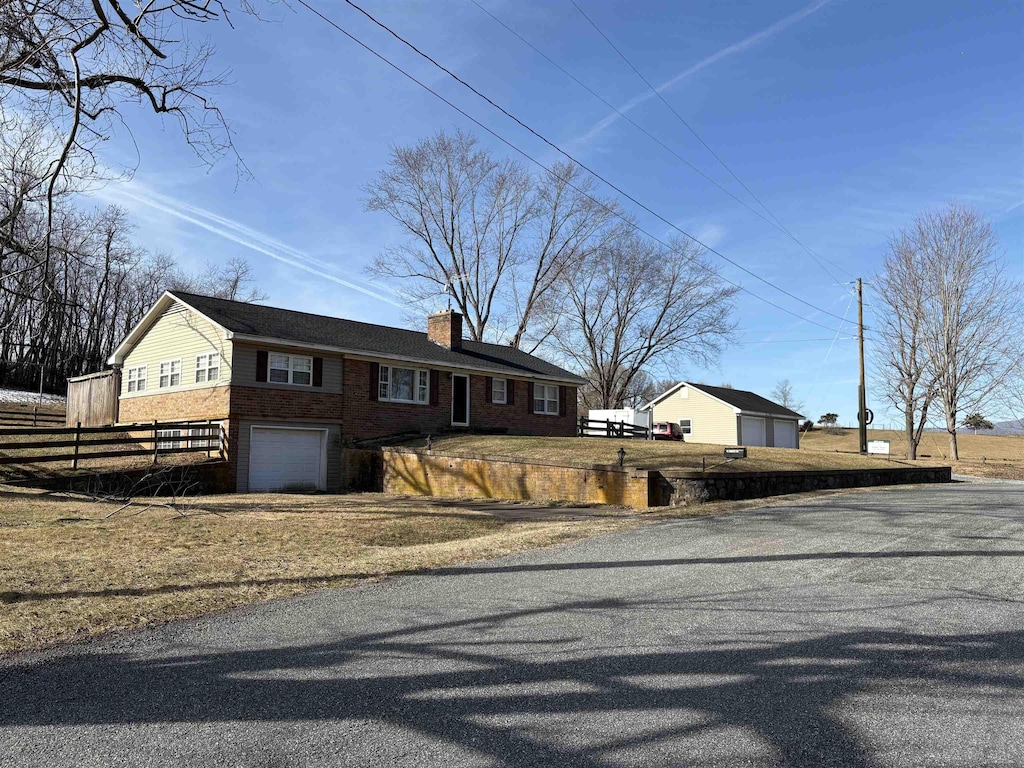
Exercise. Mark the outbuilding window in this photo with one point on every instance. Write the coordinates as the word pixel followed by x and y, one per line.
pixel 685 425
pixel 545 399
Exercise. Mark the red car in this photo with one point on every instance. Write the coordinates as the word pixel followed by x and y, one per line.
pixel 667 430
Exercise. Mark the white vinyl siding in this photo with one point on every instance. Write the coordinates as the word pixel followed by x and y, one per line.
pixel 135 381
pixel 545 399
pixel 403 385
pixel 181 334
pixel 499 391
pixel 290 369
pixel 170 374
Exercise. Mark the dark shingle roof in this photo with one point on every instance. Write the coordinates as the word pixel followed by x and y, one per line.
pixel 746 401
pixel 381 340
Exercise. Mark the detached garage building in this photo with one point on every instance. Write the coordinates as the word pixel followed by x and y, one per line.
pixel 723 416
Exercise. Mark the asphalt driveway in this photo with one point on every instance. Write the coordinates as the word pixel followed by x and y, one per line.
pixel 869 629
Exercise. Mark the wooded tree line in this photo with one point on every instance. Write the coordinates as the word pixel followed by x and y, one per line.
pixel 543 262
pixel 949 320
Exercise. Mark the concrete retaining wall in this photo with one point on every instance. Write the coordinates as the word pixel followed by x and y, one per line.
pixel 482 477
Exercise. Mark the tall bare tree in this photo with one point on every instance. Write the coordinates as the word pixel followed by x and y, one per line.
pixel 485 231
pixel 902 363
pixel 784 395
pixel 634 306
pixel 972 311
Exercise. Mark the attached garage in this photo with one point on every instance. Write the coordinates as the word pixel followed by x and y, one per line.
pixel 287 458
pixel 752 431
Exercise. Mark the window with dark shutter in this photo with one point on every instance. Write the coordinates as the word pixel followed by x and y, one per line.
pixel 511 392
pixel 434 399
pixel 318 371
pixel 562 400
pixel 261 365
pixel 489 389
pixel 529 397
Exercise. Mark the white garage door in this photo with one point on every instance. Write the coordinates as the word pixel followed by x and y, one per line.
pixel 283 459
pixel 785 433
pixel 752 430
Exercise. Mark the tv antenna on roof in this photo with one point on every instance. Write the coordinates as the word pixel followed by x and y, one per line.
pixel 450 287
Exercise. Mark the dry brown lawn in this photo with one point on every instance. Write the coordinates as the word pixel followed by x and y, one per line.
pixel 649 454
pixel 982 455
pixel 68 572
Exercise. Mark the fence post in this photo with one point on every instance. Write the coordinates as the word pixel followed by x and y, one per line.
pixel 35 414
pixel 209 436
pixel 222 439
pixel 78 438
pixel 155 443
pixel 581 428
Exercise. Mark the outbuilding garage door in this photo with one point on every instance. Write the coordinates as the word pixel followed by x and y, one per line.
pixel 752 430
pixel 785 433
pixel 284 459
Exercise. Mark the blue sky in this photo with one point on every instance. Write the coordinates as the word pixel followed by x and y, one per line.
pixel 845 118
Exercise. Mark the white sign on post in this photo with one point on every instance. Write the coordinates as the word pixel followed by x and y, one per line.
pixel 880 447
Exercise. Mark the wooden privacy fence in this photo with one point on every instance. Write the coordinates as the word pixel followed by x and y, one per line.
pixel 30 417
pixel 92 399
pixel 605 428
pixel 81 443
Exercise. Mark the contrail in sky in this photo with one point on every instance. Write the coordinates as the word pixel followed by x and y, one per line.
pixel 729 50
pixel 244 235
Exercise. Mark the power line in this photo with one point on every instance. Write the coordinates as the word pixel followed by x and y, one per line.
pixel 563 153
pixel 818 259
pixel 775 224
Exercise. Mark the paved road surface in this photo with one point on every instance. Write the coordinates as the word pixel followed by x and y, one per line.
pixel 876 629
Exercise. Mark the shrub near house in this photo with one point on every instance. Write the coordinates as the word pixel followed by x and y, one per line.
pixel 292 385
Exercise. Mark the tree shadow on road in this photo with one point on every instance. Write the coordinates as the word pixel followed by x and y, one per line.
pixel 467 683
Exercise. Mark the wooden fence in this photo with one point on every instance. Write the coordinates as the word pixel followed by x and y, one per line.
pixel 605 428
pixel 92 399
pixel 154 440
pixel 30 417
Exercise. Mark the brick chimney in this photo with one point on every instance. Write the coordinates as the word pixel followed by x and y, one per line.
pixel 445 328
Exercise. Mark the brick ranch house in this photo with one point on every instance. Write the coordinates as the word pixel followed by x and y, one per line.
pixel 291 386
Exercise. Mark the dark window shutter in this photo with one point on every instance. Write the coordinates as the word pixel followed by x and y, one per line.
pixel 318 371
pixel 489 394
pixel 374 381
pixel 261 365
pixel 435 396
pixel 562 410
pixel 529 397
pixel 510 391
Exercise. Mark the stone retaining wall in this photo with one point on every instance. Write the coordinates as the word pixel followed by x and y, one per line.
pixel 685 488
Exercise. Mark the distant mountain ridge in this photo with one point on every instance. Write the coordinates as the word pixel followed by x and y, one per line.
pixel 1012 428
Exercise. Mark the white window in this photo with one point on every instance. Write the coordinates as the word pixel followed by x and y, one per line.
pixel 290 369
pixel 207 367
pixel 403 385
pixel 165 443
pixel 684 424
pixel 499 388
pixel 137 379
pixel 545 398
pixel 170 373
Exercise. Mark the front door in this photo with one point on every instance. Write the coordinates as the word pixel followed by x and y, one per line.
pixel 460 401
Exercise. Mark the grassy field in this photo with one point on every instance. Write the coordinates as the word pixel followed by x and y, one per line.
pixel 649 454
pixel 982 455
pixel 68 572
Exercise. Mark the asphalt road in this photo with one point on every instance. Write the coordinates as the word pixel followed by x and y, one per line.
pixel 870 629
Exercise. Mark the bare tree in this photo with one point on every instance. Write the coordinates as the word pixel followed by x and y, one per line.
pixel 233 280
pixel 634 306
pixel 486 232
pixel 972 311
pixel 901 358
pixel 783 395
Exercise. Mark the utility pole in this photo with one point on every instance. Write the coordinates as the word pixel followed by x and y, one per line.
pixel 862 406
